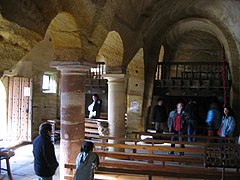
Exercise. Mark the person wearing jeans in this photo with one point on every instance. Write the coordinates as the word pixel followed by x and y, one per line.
pixel 45 162
pixel 177 122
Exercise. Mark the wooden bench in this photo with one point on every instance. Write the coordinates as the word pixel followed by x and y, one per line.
pixel 150 157
pixel 198 138
pixel 6 154
pixel 92 128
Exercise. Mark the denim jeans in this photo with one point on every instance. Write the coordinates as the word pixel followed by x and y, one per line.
pixel 45 178
pixel 191 131
pixel 178 138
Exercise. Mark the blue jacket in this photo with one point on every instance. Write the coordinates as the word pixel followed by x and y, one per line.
pixel 227 126
pixel 213 119
pixel 45 162
pixel 184 120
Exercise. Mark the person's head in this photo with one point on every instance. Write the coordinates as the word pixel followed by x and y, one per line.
pixel 95 97
pixel 87 147
pixel 213 106
pixel 159 101
pixel 179 107
pixel 227 111
pixel 45 129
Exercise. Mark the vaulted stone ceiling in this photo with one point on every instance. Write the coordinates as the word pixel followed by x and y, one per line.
pixel 80 28
pixel 15 42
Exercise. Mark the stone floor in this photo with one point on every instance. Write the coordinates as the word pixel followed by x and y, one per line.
pixel 22 168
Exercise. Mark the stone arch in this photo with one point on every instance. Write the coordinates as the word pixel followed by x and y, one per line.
pixel 3 109
pixel 161 54
pixel 213 19
pixel 88 16
pixel 65 37
pixel 196 24
pixel 112 52
pixel 223 36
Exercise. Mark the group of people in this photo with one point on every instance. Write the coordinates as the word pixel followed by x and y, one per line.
pixel 221 125
pixel 184 120
pixel 179 121
pixel 45 161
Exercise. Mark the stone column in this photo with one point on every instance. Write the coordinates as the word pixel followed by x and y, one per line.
pixel 116 104
pixel 72 89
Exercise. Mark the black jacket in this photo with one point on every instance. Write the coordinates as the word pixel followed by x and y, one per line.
pixel 45 162
pixel 97 108
pixel 159 114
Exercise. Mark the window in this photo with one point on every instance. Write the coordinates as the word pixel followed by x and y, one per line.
pixel 49 84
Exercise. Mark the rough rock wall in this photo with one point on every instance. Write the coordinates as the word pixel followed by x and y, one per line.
pixel 183 27
pixel 135 91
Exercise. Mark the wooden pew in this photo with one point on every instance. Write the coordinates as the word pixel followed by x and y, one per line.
pixel 151 170
pixel 198 138
pixel 92 128
pixel 151 158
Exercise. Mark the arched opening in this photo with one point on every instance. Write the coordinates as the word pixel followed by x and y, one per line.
pixel 191 41
pixel 3 111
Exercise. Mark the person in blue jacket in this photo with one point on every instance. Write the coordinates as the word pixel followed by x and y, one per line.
pixel 228 123
pixel 213 120
pixel 45 162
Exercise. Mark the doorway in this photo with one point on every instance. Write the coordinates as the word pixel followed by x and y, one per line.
pixel 19 119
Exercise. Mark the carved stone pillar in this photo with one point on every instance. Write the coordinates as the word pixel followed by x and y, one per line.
pixel 72 89
pixel 116 104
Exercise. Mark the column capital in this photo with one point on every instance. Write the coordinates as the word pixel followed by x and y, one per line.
pixel 71 67
pixel 115 77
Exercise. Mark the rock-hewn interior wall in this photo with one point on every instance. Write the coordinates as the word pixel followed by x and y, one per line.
pixel 188 30
pixel 45 106
pixel 135 88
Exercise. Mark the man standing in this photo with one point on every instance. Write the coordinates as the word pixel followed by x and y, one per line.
pixel 45 162
pixel 159 116
pixel 192 111
pixel 177 124
pixel 95 108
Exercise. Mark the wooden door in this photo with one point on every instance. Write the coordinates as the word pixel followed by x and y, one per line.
pixel 20 109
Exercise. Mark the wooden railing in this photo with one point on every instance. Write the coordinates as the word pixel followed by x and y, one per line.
pixel 192 70
pixel 97 72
